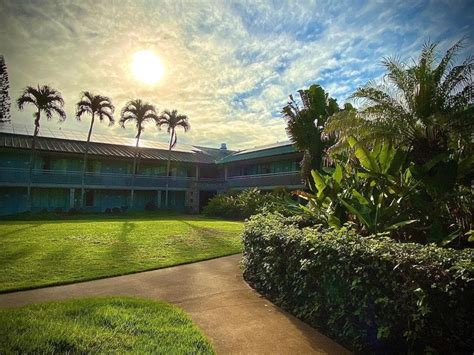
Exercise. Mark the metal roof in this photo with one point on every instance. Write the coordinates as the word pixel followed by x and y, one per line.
pixel 263 151
pixel 18 141
pixel 96 137
pixel 14 136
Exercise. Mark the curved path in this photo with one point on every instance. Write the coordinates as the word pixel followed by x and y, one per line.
pixel 235 317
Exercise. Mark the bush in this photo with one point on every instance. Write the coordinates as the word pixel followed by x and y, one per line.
pixel 369 294
pixel 116 210
pixel 246 203
pixel 150 206
pixel 73 211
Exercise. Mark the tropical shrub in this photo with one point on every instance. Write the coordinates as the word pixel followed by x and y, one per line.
pixel 371 191
pixel 305 124
pixel 380 191
pixel 370 294
pixel 424 106
pixel 246 203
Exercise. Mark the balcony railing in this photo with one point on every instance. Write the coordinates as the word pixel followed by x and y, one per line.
pixel 20 177
pixel 292 178
pixel 67 178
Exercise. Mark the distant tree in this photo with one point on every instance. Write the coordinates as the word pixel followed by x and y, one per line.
pixel 4 96
pixel 48 101
pixel 305 125
pixel 96 106
pixel 425 105
pixel 172 120
pixel 138 112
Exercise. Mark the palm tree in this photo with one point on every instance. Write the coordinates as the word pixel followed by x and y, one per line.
pixel 426 106
pixel 139 112
pixel 46 100
pixel 305 125
pixel 172 120
pixel 95 105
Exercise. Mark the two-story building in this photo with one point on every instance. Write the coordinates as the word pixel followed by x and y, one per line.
pixel 197 173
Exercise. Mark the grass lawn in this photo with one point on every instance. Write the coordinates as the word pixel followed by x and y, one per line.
pixel 39 253
pixel 100 325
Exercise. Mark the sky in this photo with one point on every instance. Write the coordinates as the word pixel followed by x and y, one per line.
pixel 228 65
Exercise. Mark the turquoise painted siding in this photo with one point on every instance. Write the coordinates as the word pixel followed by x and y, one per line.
pixel 15 160
pixel 12 200
pixel 264 168
pixel 176 200
pixel 49 199
pixel 103 199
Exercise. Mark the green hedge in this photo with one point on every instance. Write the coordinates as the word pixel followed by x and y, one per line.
pixel 245 203
pixel 371 294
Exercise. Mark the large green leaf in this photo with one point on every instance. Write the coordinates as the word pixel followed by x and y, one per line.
pixel 365 159
pixel 337 175
pixel 355 212
pixel 318 180
pixel 385 157
pixel 401 224
pixel 362 200
pixel 396 162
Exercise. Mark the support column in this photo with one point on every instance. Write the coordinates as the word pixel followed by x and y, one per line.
pixel 225 173
pixel 71 198
pixel 197 172
pixel 158 198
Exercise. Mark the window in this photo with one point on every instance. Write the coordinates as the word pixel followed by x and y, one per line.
pixel 47 163
pixel 90 198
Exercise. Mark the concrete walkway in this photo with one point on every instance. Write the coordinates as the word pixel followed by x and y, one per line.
pixel 233 316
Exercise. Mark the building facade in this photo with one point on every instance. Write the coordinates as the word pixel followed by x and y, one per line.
pixel 196 174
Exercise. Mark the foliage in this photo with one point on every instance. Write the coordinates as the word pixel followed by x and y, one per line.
pixel 140 113
pixel 246 203
pixel 100 325
pixel 5 101
pixel 46 100
pixel 371 192
pixel 95 105
pixel 66 249
pixel 172 120
pixel 305 125
pixel 382 192
pixel 373 295
pixel 426 107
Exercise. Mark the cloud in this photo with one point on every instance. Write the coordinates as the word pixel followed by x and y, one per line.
pixel 229 65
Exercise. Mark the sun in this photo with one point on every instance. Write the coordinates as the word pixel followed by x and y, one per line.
pixel 147 67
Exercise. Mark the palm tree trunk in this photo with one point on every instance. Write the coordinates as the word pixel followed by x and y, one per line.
pixel 84 166
pixel 132 192
pixel 32 160
pixel 168 166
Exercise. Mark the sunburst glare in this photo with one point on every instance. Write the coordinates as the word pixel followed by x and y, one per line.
pixel 147 67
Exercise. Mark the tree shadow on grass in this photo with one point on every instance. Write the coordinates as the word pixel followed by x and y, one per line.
pixel 122 249
pixel 18 230
pixel 218 240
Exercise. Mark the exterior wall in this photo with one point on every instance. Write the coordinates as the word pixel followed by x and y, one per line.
pixel 50 199
pixel 265 167
pixel 56 181
pixel 12 200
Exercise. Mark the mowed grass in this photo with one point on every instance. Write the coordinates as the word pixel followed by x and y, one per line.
pixel 100 325
pixel 40 253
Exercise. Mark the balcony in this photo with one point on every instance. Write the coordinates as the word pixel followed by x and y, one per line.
pixel 55 178
pixel 292 178
pixel 47 178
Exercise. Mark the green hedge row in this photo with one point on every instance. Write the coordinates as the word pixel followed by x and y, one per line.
pixel 371 294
